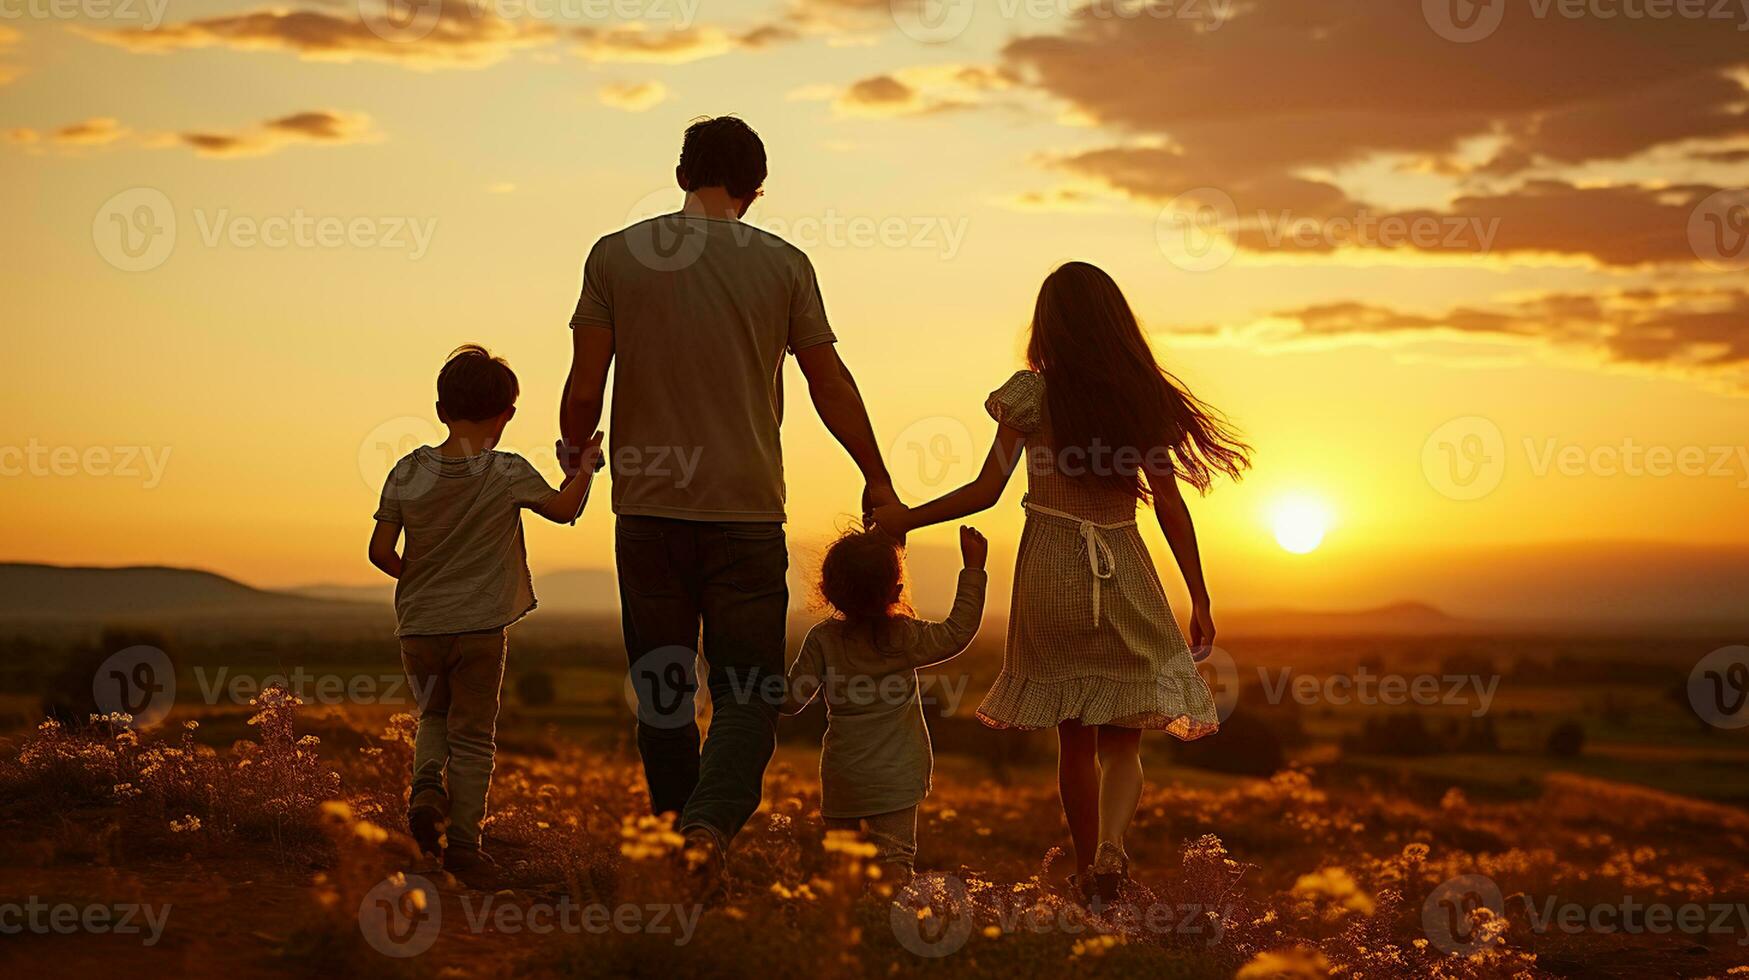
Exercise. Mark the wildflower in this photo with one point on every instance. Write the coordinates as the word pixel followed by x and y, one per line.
pixel 187 825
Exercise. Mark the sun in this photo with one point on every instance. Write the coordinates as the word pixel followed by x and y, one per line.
pixel 1300 523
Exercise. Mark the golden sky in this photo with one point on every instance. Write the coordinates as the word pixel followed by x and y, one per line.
pixel 1419 257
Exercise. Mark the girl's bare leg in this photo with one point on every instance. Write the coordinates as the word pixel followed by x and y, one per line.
pixel 1120 780
pixel 1078 784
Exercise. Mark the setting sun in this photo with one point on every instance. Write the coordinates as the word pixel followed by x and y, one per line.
pixel 1300 523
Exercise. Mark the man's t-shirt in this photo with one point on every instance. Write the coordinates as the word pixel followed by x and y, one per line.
pixel 702 311
pixel 465 566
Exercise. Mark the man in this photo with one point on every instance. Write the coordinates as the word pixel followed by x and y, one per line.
pixel 699 309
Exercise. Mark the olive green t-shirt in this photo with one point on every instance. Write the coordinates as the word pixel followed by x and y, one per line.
pixel 703 311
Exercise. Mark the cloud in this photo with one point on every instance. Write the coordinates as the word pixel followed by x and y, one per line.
pixel 632 96
pixel 1698 332
pixel 319 127
pixel 919 91
pixel 640 43
pixel 315 127
pixel 1295 84
pixel 8 38
pixel 1284 98
pixel 455 37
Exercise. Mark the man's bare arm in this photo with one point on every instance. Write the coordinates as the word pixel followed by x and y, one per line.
pixel 840 407
pixel 581 403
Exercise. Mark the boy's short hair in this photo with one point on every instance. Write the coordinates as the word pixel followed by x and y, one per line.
pixel 722 152
pixel 475 386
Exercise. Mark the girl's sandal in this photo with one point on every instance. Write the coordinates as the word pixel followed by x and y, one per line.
pixel 1111 867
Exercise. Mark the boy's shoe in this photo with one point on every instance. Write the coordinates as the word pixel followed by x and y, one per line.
pixel 426 819
pixel 705 864
pixel 474 868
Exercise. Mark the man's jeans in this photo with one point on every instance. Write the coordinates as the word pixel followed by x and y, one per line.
pixel 456 679
pixel 673 574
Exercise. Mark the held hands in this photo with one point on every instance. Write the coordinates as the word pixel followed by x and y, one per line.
pixel 575 460
pixel 893 518
pixel 973 548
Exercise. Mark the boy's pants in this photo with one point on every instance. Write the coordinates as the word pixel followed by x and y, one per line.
pixel 894 835
pixel 456 678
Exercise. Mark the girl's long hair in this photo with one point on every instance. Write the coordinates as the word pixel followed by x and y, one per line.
pixel 1106 393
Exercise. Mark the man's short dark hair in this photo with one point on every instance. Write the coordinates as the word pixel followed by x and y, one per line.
pixel 722 152
pixel 475 386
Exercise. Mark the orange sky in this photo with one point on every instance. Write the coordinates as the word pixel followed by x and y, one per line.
pixel 1344 227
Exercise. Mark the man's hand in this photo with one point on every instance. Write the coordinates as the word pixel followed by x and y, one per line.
pixel 875 496
pixel 893 518
pixel 973 548
pixel 575 460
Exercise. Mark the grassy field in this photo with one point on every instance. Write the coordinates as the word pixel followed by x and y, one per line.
pixel 268 836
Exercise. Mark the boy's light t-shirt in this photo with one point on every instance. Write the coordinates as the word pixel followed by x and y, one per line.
pixel 465 566
pixel 702 311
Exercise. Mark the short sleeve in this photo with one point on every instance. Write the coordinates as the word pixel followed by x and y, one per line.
pixel 402 484
pixel 807 310
pixel 595 305
pixel 527 487
pixel 1019 403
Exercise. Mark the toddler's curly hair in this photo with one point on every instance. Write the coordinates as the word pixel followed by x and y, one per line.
pixel 862 577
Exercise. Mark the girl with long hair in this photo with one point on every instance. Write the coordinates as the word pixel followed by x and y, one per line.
pixel 1093 650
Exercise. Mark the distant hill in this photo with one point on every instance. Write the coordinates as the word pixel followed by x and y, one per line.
pixel 1399 618
pixel 54 592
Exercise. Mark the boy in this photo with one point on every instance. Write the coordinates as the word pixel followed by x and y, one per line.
pixel 462 579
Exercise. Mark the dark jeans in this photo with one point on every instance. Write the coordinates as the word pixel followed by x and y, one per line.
pixel 673 575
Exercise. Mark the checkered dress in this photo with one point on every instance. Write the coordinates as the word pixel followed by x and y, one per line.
pixel 1090 635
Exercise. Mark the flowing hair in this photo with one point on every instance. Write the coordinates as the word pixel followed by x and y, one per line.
pixel 1103 388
